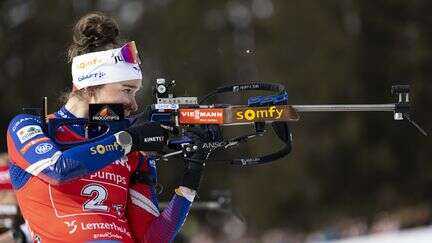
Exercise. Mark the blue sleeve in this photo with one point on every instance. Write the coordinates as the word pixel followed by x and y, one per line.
pixel 35 153
pixel 146 222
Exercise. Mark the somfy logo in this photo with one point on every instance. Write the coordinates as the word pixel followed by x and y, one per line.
pixel 88 63
pixel 257 113
pixel 43 148
pixel 103 148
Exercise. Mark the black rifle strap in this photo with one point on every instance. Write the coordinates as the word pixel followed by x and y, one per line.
pixel 280 128
pixel 275 87
pixel 282 131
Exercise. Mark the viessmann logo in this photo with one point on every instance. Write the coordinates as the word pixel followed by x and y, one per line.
pixel 201 116
pixel 259 113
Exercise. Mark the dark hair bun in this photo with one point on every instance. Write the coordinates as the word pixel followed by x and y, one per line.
pixel 93 32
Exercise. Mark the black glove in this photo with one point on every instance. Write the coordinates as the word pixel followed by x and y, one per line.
pixel 195 162
pixel 148 136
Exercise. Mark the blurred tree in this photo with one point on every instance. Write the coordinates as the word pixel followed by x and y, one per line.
pixel 338 51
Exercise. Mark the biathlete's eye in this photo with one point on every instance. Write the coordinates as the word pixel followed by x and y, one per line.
pixel 127 91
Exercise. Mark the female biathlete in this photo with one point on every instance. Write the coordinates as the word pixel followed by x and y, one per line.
pixel 88 193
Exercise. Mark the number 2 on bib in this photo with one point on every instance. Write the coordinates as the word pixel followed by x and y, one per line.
pixel 98 193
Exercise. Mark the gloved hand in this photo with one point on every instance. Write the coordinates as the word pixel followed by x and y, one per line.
pixel 195 162
pixel 147 136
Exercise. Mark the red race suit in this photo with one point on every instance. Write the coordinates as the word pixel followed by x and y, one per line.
pixel 85 193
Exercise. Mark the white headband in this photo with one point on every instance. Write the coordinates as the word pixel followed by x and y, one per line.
pixel 102 67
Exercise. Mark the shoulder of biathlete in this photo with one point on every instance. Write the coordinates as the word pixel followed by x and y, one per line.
pixel 33 153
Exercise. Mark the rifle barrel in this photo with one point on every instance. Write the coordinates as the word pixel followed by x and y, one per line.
pixel 331 108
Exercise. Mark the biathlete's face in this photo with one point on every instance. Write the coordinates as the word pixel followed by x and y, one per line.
pixel 121 92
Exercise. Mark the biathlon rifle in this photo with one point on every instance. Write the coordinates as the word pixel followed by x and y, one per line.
pixel 177 113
